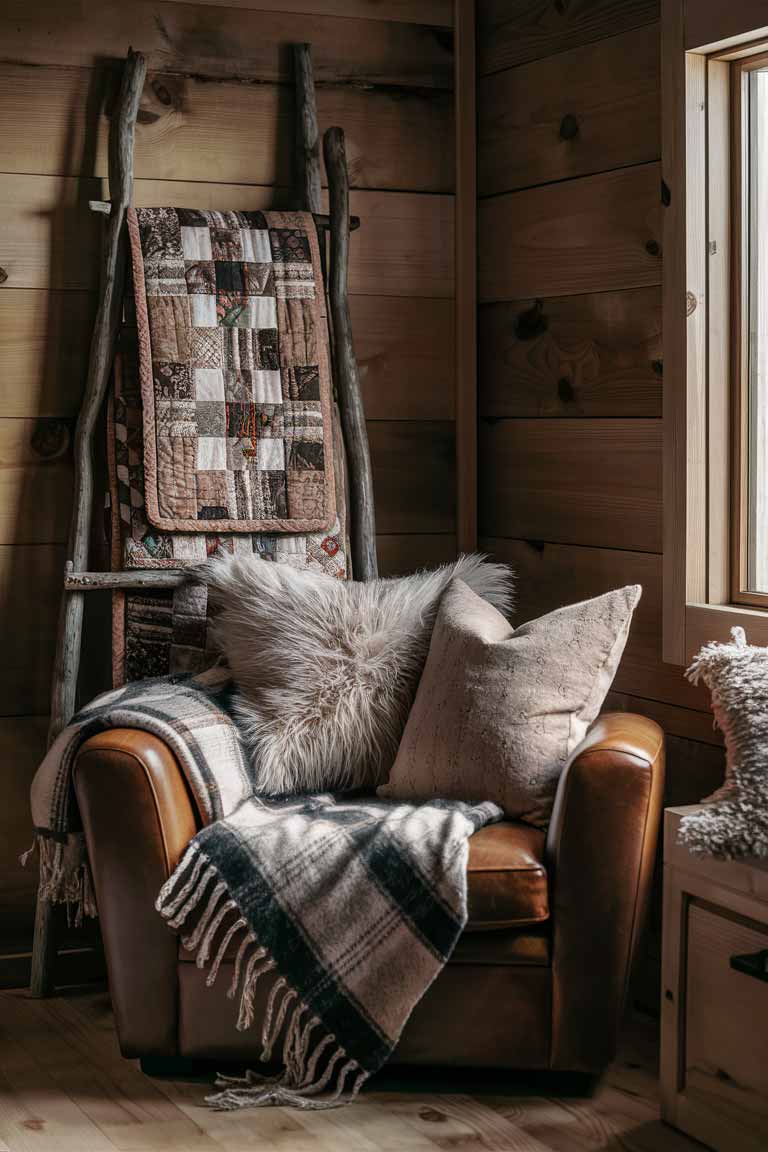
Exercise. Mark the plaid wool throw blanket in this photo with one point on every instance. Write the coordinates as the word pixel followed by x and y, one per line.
pixel 350 906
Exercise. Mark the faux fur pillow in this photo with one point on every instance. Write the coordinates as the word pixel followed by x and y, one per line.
pixel 327 669
pixel 734 821
pixel 500 709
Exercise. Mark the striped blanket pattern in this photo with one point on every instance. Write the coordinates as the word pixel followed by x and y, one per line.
pixel 351 904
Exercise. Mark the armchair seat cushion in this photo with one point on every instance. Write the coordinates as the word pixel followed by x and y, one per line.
pixel 506 881
pixel 506 877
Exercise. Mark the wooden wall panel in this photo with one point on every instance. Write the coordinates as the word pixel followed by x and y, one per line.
pixel 401 554
pixel 44 340
pixel 35 482
pixel 49 237
pixel 584 111
pixel 414 475
pixel 594 355
pixel 405 350
pixel 595 234
pixel 436 12
pixel 709 21
pixel 595 482
pixel 549 575
pixel 225 42
pixel 22 745
pixel 191 129
pixel 685 722
pixel 570 358
pixel 513 31
pixel 30 581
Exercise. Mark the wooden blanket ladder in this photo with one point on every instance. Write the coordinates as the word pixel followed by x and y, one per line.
pixel 349 417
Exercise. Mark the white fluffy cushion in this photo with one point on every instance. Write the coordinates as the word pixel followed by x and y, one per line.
pixel 326 669
pixel 500 709
pixel 734 821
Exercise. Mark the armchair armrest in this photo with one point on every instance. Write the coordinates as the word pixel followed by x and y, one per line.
pixel 138 818
pixel 601 850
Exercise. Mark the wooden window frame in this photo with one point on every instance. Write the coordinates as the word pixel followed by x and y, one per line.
pixel 702 358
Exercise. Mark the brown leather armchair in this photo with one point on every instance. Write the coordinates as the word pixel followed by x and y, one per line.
pixel 538 978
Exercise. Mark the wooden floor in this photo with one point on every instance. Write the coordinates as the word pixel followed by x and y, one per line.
pixel 65 1087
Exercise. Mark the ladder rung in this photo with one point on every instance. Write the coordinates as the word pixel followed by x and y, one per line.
pixel 322 220
pixel 115 581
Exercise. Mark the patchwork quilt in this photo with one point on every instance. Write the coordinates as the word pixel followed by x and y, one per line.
pixel 234 373
pixel 161 632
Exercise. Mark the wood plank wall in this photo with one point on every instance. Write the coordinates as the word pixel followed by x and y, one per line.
pixel 570 355
pixel 216 129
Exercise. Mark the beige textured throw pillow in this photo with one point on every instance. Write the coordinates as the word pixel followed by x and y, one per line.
pixel 498 709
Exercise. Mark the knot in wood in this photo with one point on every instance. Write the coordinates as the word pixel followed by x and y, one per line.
pixel 50 438
pixel 532 322
pixel 569 127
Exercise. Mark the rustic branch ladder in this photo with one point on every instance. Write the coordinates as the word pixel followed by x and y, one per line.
pixel 353 449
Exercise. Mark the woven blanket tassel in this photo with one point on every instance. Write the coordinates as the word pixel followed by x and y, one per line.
pixel 233 929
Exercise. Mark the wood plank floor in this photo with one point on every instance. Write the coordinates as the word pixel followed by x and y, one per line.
pixel 65 1087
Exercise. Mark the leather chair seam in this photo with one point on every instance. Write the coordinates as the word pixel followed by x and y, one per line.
pixel 516 922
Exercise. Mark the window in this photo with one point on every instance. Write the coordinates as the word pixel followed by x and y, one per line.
pixel 750 329
pixel 715 196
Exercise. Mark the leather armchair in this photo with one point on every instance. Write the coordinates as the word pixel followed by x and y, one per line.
pixel 538 978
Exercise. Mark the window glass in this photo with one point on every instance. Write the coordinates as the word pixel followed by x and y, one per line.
pixel 757 342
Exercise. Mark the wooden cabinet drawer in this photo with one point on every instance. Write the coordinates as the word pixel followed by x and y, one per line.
pixel 714 1016
pixel 725 1055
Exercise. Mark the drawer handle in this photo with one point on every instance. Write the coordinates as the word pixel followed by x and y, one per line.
pixel 752 964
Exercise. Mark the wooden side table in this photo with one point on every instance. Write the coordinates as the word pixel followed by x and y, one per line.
pixel 714 996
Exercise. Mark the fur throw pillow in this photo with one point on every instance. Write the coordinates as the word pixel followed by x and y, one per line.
pixel 326 670
pixel 734 821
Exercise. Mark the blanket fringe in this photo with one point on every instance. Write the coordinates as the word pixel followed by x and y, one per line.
pixel 315 1076
pixel 65 876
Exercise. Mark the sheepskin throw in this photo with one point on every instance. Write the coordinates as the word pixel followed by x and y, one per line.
pixel 735 819
pixel 345 909
pixel 499 710
pixel 327 670
pixel 234 370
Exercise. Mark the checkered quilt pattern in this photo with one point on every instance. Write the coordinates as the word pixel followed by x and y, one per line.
pixel 166 631
pixel 234 371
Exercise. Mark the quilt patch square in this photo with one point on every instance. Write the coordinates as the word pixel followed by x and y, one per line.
pixel 255 245
pixel 196 242
pixel 207 348
pixel 226 243
pixel 209 384
pixel 211 454
pixel 233 370
pixel 301 383
pixel 173 380
pixel 270 455
pixel 289 245
pixel 230 276
pixel 210 419
pixel 202 308
pixel 259 279
pixel 169 327
pixel 200 276
pixel 246 349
